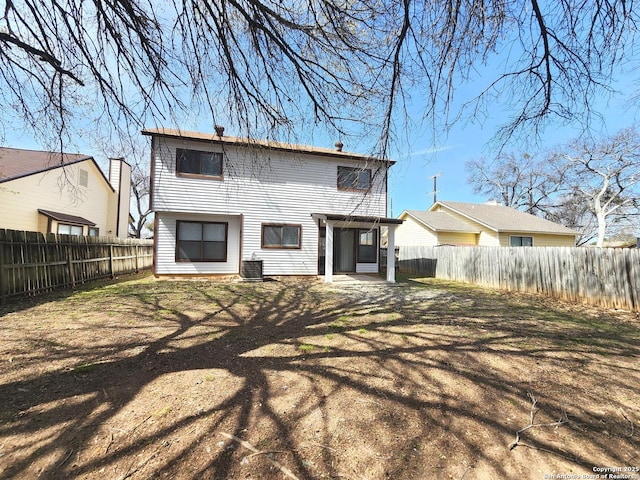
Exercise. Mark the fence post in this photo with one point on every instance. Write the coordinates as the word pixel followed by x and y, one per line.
pixel 137 259
pixel 2 249
pixel 111 261
pixel 72 274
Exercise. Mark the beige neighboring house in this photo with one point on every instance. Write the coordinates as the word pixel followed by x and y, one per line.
pixel 58 193
pixel 488 224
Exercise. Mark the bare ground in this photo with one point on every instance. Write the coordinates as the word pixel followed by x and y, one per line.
pixel 297 379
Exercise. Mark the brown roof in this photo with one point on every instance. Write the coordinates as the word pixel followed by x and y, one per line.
pixel 505 219
pixel 441 222
pixel 268 144
pixel 66 218
pixel 16 162
pixel 338 217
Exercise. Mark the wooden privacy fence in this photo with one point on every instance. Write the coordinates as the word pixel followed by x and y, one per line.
pixel 32 263
pixel 609 277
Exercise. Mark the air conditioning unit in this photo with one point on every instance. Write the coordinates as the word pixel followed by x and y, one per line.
pixel 252 270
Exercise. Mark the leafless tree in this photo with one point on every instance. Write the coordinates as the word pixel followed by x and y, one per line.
pixel 140 188
pixel 570 210
pixel 604 176
pixel 265 64
pixel 517 181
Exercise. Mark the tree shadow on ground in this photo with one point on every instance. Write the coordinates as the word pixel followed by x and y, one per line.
pixel 168 379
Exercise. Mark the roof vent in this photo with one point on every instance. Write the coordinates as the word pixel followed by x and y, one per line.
pixel 339 146
pixel 219 130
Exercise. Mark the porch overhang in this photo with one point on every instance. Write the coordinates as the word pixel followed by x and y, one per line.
pixel 66 218
pixel 331 220
pixel 355 221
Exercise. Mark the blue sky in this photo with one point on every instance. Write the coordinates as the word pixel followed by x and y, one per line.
pixel 425 154
pixel 411 187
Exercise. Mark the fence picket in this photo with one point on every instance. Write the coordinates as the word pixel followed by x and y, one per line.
pixel 32 263
pixel 599 276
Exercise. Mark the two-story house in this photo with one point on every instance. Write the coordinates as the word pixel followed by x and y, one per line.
pixel 300 210
pixel 63 193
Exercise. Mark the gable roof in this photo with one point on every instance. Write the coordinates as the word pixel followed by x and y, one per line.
pixel 18 163
pixel 440 221
pixel 504 219
pixel 267 144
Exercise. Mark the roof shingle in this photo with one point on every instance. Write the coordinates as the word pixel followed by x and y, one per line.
pixel 17 162
pixel 505 219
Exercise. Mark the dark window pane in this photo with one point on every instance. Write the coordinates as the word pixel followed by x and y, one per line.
pixel 189 250
pixel 215 251
pixel 199 163
pixel 517 241
pixel 291 236
pixel 364 180
pixel 189 163
pixel 367 246
pixel 366 254
pixel 211 164
pixel 271 236
pixel 214 232
pixel 354 178
pixel 200 242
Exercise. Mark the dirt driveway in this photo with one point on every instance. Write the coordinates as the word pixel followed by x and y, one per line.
pixel 296 379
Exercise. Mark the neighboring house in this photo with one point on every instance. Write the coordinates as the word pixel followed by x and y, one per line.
pixel 489 224
pixel 65 193
pixel 220 201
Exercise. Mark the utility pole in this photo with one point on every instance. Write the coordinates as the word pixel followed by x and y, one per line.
pixel 435 185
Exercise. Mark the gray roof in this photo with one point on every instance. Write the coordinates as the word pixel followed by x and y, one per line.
pixel 442 222
pixel 505 219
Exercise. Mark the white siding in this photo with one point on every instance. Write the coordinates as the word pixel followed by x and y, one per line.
pixel 165 245
pixel 265 187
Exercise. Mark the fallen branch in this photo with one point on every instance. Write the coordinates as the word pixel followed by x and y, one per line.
pixel 532 417
pixel 66 458
pixel 628 420
pixel 248 446
pixel 130 472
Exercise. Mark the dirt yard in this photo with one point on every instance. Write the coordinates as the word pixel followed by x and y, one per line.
pixel 293 378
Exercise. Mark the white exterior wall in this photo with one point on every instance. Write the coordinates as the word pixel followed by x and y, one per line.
pixel 264 187
pixel 56 190
pixel 165 236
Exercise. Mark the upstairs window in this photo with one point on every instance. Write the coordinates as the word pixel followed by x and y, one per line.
pixel 201 242
pixel 196 162
pixel 517 241
pixel 281 236
pixel 350 178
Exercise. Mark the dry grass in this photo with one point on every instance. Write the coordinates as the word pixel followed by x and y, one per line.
pixel 425 379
